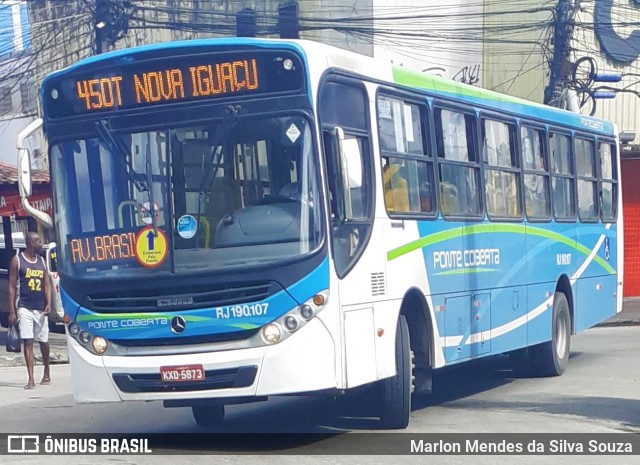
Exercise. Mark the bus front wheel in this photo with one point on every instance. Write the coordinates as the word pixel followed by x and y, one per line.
pixel 552 357
pixel 210 415
pixel 396 391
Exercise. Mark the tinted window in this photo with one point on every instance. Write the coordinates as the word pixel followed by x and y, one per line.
pixel 564 203
pixel 407 167
pixel 500 174
pixel 459 173
pixel 536 174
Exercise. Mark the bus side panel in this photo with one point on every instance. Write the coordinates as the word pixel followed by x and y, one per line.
pixel 539 304
pixel 410 265
pixel 595 291
pixel 595 301
pixel 509 319
pixel 493 252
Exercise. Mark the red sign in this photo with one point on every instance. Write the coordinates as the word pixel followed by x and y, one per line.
pixel 11 204
pixel 182 374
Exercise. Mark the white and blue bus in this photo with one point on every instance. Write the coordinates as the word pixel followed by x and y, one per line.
pixel 243 218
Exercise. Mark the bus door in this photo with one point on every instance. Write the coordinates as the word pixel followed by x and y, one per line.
pixel 357 251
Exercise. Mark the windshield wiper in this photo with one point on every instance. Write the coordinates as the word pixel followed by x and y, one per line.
pixel 122 155
pixel 222 133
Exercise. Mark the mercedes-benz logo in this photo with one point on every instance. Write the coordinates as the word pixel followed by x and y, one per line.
pixel 178 324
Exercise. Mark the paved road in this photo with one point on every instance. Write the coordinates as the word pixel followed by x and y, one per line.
pixel 600 392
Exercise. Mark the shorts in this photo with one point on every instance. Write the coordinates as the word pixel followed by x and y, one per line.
pixel 33 324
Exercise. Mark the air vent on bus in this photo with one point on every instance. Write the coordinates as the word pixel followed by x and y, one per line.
pixel 377 284
pixel 175 298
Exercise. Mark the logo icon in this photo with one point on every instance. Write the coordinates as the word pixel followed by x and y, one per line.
pixel 178 324
pixel 607 249
pixel 23 444
pixel 174 301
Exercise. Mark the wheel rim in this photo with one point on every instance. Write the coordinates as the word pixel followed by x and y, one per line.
pixel 561 337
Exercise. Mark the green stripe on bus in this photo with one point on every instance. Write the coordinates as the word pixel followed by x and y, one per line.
pixel 467 271
pixel 412 78
pixel 493 228
pixel 145 316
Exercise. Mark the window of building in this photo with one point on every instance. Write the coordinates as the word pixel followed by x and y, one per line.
pixel 608 183
pixel 27 96
pixel 407 166
pixel 6 102
pixel 536 174
pixel 564 198
pixel 459 172
pixel 501 170
pixel 587 180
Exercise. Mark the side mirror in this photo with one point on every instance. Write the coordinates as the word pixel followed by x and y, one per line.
pixel 24 172
pixel 343 164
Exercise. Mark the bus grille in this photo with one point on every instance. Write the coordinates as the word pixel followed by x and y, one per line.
pixel 214 379
pixel 175 298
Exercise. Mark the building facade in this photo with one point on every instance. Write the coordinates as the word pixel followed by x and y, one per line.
pixel 18 106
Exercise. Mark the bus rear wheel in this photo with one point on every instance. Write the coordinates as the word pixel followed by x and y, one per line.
pixel 396 391
pixel 210 415
pixel 552 358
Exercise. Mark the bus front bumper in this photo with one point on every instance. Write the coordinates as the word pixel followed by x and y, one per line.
pixel 304 362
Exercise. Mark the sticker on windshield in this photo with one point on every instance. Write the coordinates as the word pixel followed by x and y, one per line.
pixel 145 212
pixel 187 226
pixel 151 248
pixel 293 133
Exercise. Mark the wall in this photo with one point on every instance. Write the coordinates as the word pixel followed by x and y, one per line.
pixel 631 209
pixel 513 60
pixel 443 38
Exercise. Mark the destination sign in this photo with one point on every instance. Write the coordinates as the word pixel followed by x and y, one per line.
pixel 191 78
pixel 102 248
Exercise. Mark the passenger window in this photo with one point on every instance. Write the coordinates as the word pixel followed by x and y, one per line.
pixel 407 168
pixel 501 170
pixel 536 174
pixel 459 175
pixel 564 202
pixel 608 183
pixel 587 180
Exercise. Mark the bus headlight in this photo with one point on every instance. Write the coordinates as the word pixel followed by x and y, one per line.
pixel 306 312
pixel 99 345
pixel 74 329
pixel 291 323
pixel 84 337
pixel 271 333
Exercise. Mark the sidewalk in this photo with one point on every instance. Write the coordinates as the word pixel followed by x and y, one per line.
pixel 57 345
pixel 629 316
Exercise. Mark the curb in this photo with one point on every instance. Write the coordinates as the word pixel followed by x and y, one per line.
pixel 633 322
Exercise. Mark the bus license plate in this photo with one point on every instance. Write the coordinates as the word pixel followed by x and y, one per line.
pixel 182 374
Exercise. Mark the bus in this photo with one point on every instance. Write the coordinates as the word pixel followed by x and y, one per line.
pixel 243 218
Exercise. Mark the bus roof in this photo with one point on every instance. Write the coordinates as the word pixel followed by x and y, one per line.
pixel 326 56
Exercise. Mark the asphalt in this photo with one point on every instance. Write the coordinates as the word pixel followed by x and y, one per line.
pixel 629 316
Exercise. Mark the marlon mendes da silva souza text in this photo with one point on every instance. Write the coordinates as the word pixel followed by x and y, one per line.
pixel 534 446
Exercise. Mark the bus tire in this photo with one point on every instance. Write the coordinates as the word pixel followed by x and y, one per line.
pixel 210 415
pixel 396 391
pixel 551 358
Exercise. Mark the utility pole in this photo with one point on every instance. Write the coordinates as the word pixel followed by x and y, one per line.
pixel 111 21
pixel 560 66
pixel 100 18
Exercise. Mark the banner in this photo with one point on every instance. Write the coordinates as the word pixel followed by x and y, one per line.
pixel 322 444
pixel 10 204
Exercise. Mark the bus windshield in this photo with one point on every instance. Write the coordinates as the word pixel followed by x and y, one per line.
pixel 189 197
